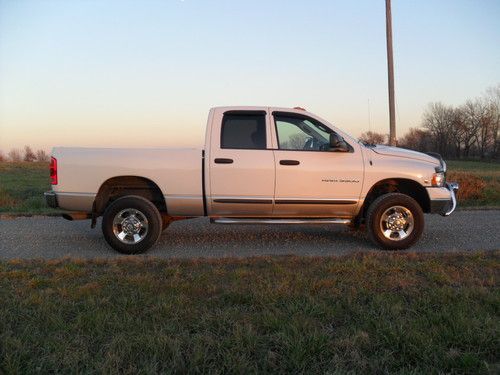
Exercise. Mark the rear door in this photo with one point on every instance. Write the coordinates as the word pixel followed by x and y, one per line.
pixel 241 163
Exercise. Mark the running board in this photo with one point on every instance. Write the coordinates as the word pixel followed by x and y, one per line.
pixel 226 220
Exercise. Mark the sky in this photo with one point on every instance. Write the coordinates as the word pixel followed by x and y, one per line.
pixel 144 73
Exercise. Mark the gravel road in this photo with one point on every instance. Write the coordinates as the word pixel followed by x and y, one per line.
pixel 49 237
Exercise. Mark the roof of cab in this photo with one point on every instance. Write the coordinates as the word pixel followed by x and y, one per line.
pixel 260 108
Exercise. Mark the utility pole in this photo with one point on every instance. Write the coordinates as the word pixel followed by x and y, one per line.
pixel 390 72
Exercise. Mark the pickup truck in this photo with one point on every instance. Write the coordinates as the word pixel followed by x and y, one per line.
pixel 260 165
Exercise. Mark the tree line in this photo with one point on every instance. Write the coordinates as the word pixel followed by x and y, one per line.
pixel 470 130
pixel 16 155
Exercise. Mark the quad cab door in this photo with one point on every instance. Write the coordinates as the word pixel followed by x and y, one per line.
pixel 241 164
pixel 312 180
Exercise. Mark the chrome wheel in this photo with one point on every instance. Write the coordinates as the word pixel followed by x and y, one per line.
pixel 397 223
pixel 130 226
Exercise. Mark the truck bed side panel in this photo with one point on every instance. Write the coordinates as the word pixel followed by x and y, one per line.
pixel 177 172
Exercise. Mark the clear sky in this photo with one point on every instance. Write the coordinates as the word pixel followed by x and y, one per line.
pixel 144 73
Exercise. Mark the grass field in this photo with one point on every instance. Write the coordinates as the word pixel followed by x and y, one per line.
pixel 22 185
pixel 368 313
pixel 480 182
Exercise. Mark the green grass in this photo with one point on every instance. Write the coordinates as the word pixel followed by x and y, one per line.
pixel 367 313
pixel 22 185
pixel 478 167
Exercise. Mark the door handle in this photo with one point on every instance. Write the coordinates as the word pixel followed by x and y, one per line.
pixel 223 161
pixel 289 162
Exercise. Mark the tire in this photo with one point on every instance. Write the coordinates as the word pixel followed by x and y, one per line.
pixel 395 221
pixel 131 224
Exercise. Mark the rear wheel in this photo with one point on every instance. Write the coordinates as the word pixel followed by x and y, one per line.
pixel 131 224
pixel 395 221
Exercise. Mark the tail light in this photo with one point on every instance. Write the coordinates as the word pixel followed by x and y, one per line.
pixel 53 171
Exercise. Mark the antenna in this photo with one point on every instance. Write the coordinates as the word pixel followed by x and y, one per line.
pixel 369 117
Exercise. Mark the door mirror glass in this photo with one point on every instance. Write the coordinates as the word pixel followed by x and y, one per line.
pixel 337 143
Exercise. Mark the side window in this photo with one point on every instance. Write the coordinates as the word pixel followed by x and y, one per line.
pixel 244 131
pixel 300 133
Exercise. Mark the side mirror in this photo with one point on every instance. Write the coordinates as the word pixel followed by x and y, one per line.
pixel 337 143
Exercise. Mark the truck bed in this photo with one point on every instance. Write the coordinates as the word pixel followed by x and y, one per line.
pixel 177 172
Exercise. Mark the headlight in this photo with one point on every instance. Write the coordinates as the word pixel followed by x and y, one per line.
pixel 438 179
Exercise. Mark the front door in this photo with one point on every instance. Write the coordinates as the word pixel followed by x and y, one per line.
pixel 311 180
pixel 241 165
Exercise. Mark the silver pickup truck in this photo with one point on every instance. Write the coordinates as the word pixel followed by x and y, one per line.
pixel 259 165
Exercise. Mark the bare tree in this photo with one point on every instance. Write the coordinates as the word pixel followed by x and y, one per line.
pixel 471 129
pixel 29 155
pixel 438 120
pixel 493 98
pixel 42 156
pixel 15 155
pixel 457 131
pixel 2 157
pixel 485 138
pixel 373 138
pixel 473 112
pixel 416 139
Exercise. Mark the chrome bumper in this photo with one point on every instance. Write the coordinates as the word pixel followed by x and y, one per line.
pixel 443 199
pixel 453 188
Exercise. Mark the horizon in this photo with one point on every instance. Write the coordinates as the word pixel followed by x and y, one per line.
pixel 144 74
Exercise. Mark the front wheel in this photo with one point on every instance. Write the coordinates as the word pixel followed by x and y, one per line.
pixel 131 224
pixel 395 221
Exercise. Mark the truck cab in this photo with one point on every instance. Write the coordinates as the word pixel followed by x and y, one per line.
pixel 275 162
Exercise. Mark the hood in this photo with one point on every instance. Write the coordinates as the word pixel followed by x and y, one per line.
pixel 404 153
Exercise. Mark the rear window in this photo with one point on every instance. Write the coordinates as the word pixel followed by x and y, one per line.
pixel 244 131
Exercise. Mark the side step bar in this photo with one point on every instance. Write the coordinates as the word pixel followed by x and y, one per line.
pixel 226 220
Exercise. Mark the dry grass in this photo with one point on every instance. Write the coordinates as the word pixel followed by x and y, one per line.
pixel 472 187
pixel 479 182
